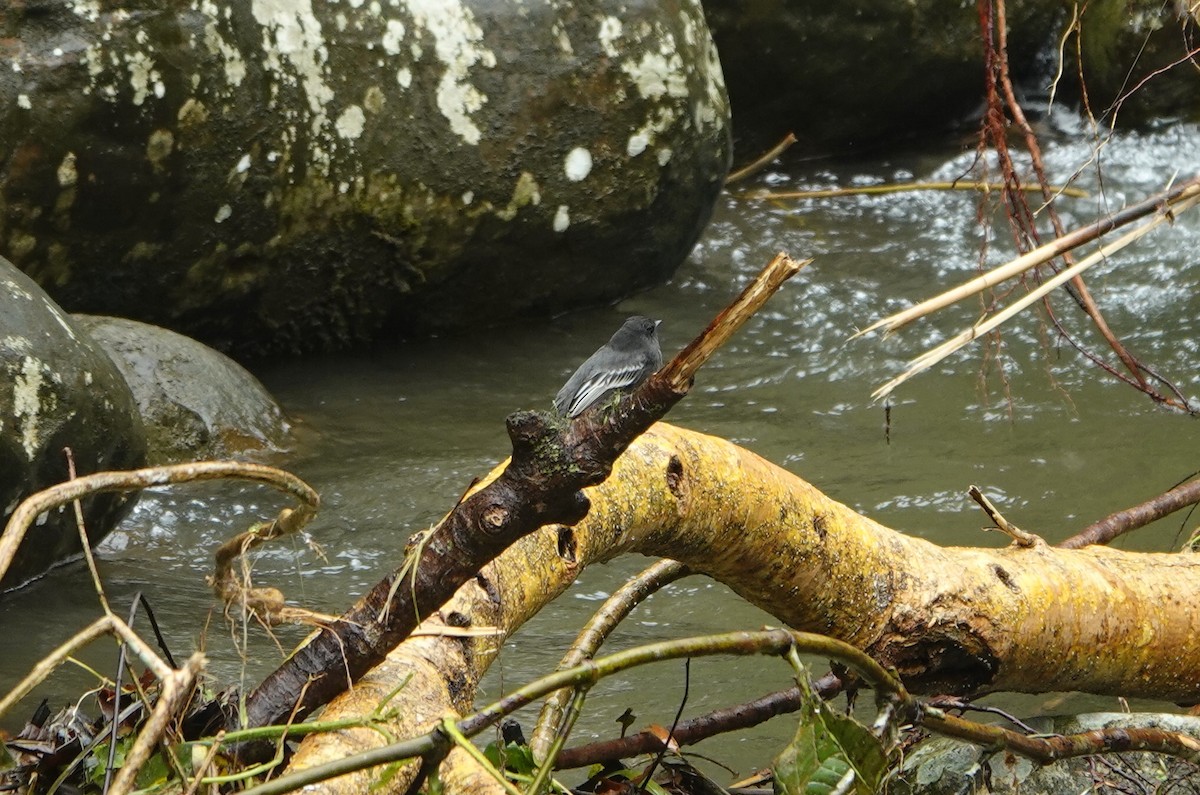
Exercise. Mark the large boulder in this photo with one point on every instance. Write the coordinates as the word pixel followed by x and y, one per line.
pixel 58 389
pixel 860 72
pixel 195 402
pixel 865 74
pixel 270 175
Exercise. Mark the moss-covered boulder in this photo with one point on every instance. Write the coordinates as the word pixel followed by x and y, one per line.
pixel 865 74
pixel 58 389
pixel 195 402
pixel 1137 60
pixel 270 175
pixel 852 74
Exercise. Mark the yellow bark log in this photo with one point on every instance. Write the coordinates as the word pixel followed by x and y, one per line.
pixel 950 619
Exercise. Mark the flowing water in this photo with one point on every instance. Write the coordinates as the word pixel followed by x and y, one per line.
pixel 391 437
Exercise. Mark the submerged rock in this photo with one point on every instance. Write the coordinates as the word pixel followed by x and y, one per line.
pixel 290 175
pixel 946 766
pixel 58 389
pixel 196 403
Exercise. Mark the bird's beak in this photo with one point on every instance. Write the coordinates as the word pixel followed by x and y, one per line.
pixel 657 323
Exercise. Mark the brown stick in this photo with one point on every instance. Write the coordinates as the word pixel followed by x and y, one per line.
pixel 692 731
pixel 552 461
pixel 1003 525
pixel 1122 522
pixel 762 162
pixel 1050 749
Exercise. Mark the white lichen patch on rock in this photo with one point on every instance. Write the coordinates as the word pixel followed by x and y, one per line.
pixel 231 57
pixel 351 122
pixel 711 108
pixel 159 147
pixel 295 51
pixel 659 74
pixel 393 35
pixel 374 100
pixel 67 175
pixel 610 31
pixel 457 40
pixel 637 144
pixel 578 164
pixel 192 113
pixel 658 71
pixel 562 218
pixel 27 403
pixel 559 32
pixel 15 342
pixel 659 122
pixel 86 9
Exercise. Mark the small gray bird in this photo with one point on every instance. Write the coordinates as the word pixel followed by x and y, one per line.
pixel 626 360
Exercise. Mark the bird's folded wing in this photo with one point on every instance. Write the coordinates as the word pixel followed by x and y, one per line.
pixel 591 390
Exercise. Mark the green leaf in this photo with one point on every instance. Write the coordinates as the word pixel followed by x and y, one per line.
pixel 827 745
pixel 154 773
pixel 513 758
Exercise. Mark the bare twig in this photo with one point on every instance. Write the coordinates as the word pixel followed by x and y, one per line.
pixel 986 325
pixel 763 161
pixel 1122 522
pixel 720 721
pixel 1050 749
pixel 174 693
pixel 136 480
pixel 680 371
pixel 669 740
pixel 902 187
pixel 1039 255
pixel 614 610
pixel 1003 525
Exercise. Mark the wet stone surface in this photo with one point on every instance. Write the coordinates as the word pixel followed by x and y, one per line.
pixel 195 402
pixel 287 176
pixel 57 389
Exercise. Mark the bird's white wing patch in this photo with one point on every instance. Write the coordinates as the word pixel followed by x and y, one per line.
pixel 594 388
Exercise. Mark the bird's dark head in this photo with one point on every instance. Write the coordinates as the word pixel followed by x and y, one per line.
pixel 641 326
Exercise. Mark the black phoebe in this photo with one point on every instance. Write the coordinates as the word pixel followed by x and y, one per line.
pixel 625 361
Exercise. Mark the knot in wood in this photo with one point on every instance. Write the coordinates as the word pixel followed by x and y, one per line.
pixel 495 516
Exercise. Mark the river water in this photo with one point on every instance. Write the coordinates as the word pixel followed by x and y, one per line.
pixel 392 436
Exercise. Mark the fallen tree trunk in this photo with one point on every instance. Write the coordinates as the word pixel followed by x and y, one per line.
pixel 948 619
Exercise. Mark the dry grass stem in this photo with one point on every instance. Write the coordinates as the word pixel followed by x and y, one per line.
pixel 174 693
pixel 47 664
pixel 593 634
pixel 957 342
pixel 904 187
pixel 1042 254
pixel 135 480
pixel 763 161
